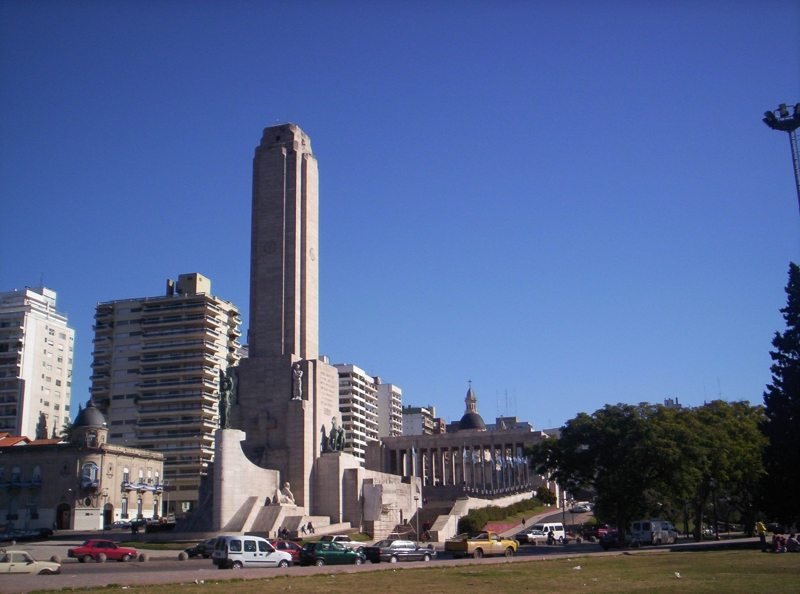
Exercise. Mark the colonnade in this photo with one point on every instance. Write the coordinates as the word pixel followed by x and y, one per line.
pixel 481 467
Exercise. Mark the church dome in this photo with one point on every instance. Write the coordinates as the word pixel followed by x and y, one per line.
pixel 90 417
pixel 471 419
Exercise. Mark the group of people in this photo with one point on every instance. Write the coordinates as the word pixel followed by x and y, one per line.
pixel 307 528
pixel 780 544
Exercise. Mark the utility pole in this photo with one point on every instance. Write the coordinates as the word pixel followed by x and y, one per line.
pixel 780 120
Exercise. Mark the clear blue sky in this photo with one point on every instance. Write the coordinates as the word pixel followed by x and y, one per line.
pixel 568 203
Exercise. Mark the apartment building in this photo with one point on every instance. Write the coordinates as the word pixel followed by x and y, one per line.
pixel 358 405
pixel 36 350
pixel 158 364
pixel 390 409
pixel 420 420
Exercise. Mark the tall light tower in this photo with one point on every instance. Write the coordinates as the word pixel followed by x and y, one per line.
pixel 781 120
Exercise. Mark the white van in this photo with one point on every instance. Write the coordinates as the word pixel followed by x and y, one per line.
pixel 235 552
pixel 540 533
pixel 652 532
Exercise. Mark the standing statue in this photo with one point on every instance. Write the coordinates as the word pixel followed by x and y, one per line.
pixel 336 437
pixel 340 440
pixel 297 382
pixel 324 445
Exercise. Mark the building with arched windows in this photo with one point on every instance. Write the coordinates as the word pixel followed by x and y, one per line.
pixel 83 483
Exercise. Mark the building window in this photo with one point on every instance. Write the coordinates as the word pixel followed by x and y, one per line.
pixel 139 508
pixel 90 476
pixel 124 512
pixel 126 475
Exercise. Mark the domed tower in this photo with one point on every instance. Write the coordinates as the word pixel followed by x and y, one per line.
pixel 90 428
pixel 471 419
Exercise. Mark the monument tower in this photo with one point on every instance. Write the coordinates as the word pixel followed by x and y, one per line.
pixel 285 393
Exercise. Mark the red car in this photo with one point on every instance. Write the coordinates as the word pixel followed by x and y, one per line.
pixel 288 546
pixel 92 549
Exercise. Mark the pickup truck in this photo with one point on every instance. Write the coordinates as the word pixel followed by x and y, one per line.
pixel 344 540
pixel 480 545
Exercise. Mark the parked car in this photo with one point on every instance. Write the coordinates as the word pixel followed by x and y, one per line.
pixel 610 540
pixel 92 549
pixel 330 553
pixel 344 540
pixel 595 532
pixel 540 533
pixel 581 507
pixel 202 549
pixel 287 546
pixel 394 550
pixel 235 552
pixel 525 537
pixel 653 532
pixel 22 562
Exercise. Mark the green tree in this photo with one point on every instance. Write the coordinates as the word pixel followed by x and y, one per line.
pixel 613 452
pixel 725 447
pixel 782 413
pixel 66 430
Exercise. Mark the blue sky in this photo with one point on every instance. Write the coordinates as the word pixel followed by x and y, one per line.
pixel 568 203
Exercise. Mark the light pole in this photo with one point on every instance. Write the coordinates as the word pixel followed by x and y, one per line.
pixel 416 504
pixel 780 120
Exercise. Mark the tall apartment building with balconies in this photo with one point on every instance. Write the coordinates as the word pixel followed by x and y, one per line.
pixel 358 405
pixel 36 349
pixel 390 409
pixel 420 420
pixel 156 376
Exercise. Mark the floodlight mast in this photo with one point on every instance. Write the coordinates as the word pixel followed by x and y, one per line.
pixel 780 120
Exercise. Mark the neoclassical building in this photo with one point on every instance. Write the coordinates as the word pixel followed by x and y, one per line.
pixel 81 484
pixel 471 458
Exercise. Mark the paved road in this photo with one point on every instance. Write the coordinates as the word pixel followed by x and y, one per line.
pixel 164 568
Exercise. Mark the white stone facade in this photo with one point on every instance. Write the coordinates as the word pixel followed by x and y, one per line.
pixel 390 409
pixel 36 351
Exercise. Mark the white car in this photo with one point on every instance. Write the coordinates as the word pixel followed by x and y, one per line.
pixel 237 551
pixel 22 562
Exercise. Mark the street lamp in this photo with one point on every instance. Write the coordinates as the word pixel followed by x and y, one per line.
pixel 780 120
pixel 416 504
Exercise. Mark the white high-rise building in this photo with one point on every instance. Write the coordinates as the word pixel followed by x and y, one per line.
pixel 36 349
pixel 158 366
pixel 419 420
pixel 358 405
pixel 390 409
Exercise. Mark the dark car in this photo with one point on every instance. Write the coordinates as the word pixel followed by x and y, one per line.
pixel 394 550
pixel 202 549
pixel 329 553
pixel 288 546
pixel 610 540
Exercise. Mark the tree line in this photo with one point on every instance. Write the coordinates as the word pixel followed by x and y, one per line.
pixel 732 460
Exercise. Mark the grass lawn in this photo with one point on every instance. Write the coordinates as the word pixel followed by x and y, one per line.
pixel 713 571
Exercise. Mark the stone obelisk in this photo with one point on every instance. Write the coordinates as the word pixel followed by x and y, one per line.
pixel 285 393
